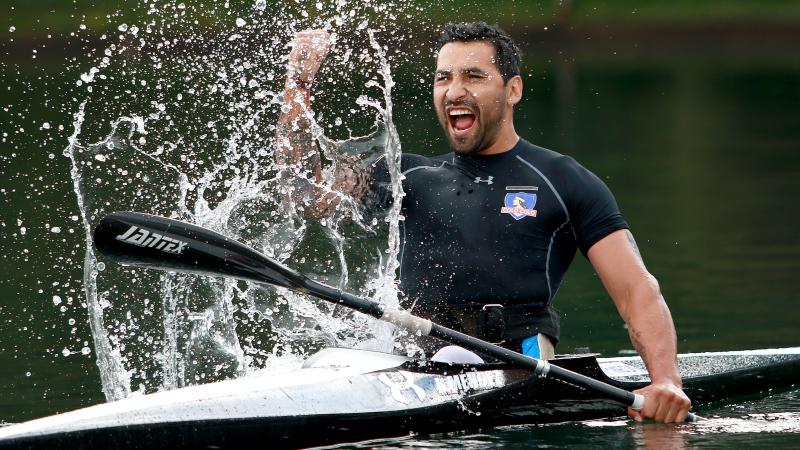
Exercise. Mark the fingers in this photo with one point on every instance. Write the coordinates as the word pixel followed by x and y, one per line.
pixel 316 40
pixel 634 414
pixel 685 406
pixel 309 50
pixel 314 34
pixel 675 406
pixel 672 412
pixel 663 408
pixel 665 403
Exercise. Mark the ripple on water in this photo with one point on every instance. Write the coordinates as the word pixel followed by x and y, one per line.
pixel 770 422
pixel 788 422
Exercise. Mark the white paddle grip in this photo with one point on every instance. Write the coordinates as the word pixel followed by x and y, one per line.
pixel 405 319
pixel 638 402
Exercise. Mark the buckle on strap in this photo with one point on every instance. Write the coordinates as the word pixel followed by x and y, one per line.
pixel 491 323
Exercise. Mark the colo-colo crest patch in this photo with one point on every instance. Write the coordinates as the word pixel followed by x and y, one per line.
pixel 519 205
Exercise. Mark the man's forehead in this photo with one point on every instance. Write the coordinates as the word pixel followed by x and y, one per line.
pixel 458 55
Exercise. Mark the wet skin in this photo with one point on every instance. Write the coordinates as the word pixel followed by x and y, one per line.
pixel 473 103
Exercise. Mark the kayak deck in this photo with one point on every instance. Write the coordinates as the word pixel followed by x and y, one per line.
pixel 718 376
pixel 343 395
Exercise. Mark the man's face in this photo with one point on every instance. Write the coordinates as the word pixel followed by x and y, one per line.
pixel 469 95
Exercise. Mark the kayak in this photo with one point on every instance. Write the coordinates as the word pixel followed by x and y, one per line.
pixel 347 395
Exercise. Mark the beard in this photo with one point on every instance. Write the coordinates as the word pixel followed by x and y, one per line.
pixel 485 128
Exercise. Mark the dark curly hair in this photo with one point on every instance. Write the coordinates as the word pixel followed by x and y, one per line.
pixel 507 55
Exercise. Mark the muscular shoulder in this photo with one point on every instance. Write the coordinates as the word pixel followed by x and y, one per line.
pixel 555 166
pixel 591 206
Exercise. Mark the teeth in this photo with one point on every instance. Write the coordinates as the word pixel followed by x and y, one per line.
pixel 459 112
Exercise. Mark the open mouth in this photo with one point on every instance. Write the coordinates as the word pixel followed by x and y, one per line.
pixel 461 119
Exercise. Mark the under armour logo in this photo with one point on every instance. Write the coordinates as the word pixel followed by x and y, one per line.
pixel 487 181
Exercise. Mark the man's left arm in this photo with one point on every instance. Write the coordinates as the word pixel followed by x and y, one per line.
pixel 638 299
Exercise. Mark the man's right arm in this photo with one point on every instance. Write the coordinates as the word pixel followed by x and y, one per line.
pixel 297 155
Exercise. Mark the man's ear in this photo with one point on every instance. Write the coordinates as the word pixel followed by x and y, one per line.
pixel 514 90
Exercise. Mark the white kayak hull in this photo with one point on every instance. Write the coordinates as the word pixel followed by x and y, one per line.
pixel 349 395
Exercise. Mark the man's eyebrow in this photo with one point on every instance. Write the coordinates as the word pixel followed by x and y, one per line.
pixel 474 70
pixel 465 71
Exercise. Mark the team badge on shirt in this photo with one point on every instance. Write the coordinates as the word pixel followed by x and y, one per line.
pixel 519 205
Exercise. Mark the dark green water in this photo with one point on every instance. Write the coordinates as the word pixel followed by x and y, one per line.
pixel 701 151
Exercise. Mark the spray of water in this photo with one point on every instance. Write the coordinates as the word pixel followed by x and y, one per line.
pixel 192 127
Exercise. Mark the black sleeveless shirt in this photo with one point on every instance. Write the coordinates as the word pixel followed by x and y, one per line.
pixel 496 229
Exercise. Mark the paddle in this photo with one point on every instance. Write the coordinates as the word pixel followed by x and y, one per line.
pixel 160 243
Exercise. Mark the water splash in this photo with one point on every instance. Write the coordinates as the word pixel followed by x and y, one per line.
pixel 115 379
pixel 384 284
pixel 193 140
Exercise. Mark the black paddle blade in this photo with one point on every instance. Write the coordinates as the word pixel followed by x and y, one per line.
pixel 160 243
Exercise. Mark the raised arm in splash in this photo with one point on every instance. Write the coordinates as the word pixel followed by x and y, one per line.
pixel 307 188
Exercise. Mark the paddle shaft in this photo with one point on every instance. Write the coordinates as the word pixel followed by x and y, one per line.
pixel 167 244
pixel 539 367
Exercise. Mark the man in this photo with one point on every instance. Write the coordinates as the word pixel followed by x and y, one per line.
pixel 491 228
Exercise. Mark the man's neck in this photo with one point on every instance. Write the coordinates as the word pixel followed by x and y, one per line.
pixel 504 142
pixel 506 139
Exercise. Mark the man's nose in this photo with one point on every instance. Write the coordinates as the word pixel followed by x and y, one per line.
pixel 456 90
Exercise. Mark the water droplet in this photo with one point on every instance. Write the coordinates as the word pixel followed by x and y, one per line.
pixel 23 231
pixel 27 374
pixel 261 5
pixel 123 27
pixel 46 125
pixel 55 230
pixel 240 22
pixel 101 266
pixel 56 300
pixel 66 352
pixel 13 29
pixel 86 350
pixel 89 76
